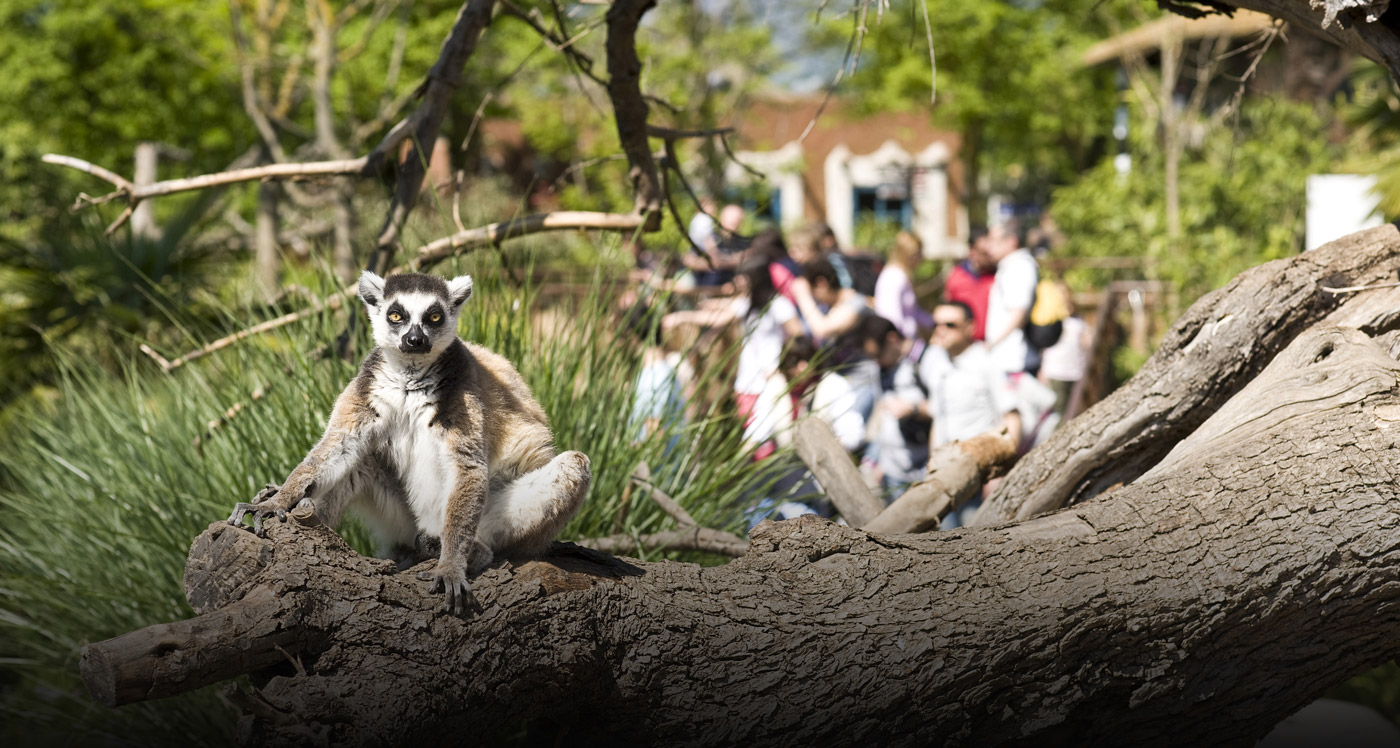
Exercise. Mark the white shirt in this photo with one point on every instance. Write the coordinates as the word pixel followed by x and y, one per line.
pixel 1066 360
pixel 834 401
pixel 968 395
pixel 1014 288
pixel 763 343
pixel 701 228
pixel 772 414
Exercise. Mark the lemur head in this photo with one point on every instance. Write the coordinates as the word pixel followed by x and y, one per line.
pixel 412 314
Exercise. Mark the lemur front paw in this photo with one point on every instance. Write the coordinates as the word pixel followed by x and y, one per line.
pixel 452 580
pixel 261 507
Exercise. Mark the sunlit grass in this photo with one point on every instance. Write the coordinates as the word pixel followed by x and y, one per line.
pixel 103 489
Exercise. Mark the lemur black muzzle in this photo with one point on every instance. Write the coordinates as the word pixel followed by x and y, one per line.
pixel 414 341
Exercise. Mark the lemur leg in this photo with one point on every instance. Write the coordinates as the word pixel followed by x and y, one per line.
pixel 337 454
pixel 461 552
pixel 524 518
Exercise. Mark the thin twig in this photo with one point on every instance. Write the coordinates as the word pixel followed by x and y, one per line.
pixel 229 414
pixel 932 62
pixel 724 143
pixel 667 504
pixel 1354 289
pixel 853 46
pixel 428 255
pixel 331 302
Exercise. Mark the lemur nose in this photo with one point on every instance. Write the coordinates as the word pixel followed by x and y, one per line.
pixel 414 338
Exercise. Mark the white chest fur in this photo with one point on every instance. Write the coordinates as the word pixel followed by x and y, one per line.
pixel 406 410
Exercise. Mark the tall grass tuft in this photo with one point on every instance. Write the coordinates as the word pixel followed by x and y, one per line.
pixel 103 489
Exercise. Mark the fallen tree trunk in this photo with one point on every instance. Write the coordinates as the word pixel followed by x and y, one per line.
pixel 1227 587
pixel 1213 351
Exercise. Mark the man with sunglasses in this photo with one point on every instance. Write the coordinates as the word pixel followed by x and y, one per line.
pixel 968 393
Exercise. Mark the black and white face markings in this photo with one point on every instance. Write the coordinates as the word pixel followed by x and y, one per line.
pixel 412 313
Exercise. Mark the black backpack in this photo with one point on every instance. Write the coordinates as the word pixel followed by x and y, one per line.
pixel 864 268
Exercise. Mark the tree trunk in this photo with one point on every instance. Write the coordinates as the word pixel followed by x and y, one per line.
pixel 1224 588
pixel 143 217
pixel 267 254
pixel 1217 347
pixel 1171 134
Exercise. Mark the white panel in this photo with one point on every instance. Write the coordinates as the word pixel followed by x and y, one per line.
pixel 1340 204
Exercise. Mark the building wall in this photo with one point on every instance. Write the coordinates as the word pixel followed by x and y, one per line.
pixel 768 131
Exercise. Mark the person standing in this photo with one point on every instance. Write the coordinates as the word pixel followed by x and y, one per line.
pixel 894 292
pixel 1064 363
pixel 1010 300
pixel 971 280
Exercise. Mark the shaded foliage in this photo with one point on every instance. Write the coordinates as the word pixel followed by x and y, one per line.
pixel 1242 202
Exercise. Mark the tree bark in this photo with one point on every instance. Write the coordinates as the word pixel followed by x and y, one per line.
pixel 630 108
pixel 267 254
pixel 1376 40
pixel 422 128
pixel 1217 347
pixel 1223 589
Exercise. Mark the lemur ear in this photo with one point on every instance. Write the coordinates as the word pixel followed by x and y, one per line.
pixel 459 289
pixel 371 289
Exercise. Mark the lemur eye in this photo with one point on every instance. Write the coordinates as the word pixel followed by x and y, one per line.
pixel 435 317
pixel 395 317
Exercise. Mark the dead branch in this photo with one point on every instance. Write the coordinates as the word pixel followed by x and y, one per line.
pixel 817 446
pixel 957 471
pixel 495 233
pixel 428 255
pixel 667 133
pixel 333 301
pixel 694 539
pixel 630 108
pixel 424 124
pixel 223 420
pixel 664 500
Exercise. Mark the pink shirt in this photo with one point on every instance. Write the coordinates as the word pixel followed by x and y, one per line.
pixel 895 301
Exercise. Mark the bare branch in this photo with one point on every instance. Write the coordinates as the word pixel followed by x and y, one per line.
pixel 667 133
pixel 137 193
pixel 229 414
pixel 630 108
pixel 702 539
pixel 425 122
pixel 852 56
pixel 333 301
pixel 523 226
pixel 428 254
pixel 123 185
pixel 667 504
pixel 823 454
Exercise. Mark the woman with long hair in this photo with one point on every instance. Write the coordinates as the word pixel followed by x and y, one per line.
pixel 894 292
pixel 769 321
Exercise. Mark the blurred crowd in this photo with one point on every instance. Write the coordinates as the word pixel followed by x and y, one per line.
pixel 812 329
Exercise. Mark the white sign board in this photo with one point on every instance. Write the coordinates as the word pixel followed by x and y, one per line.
pixel 1340 204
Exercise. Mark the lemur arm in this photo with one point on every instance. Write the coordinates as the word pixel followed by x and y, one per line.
pixel 339 450
pixel 462 553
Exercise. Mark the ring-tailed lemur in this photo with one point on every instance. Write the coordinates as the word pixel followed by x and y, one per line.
pixel 435 440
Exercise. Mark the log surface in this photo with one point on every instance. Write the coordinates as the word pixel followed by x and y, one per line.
pixel 1251 570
